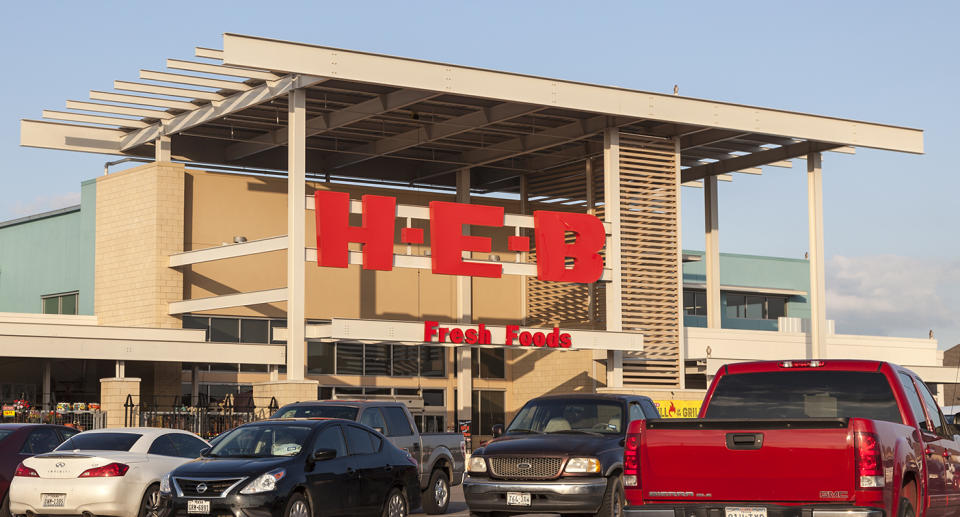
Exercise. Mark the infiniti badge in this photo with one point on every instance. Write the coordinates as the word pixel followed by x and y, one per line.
pixel 60 465
pixel 201 488
pixel 524 466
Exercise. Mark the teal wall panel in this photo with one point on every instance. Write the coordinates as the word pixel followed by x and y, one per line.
pixel 49 254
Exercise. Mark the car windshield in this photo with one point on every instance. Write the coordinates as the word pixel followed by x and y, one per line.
pixel 568 416
pixel 100 442
pixel 262 441
pixel 345 412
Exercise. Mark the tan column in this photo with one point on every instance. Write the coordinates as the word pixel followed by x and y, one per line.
pixel 161 148
pixel 712 251
pixel 296 230
pixel 818 309
pixel 611 213
pixel 591 209
pixel 682 331
pixel 464 315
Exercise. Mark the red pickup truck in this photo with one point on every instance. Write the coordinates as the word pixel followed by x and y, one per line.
pixel 830 438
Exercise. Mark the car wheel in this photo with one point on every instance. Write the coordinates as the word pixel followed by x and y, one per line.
pixel 297 506
pixel 480 514
pixel 5 506
pixel 436 498
pixel 612 505
pixel 906 508
pixel 150 504
pixel 396 505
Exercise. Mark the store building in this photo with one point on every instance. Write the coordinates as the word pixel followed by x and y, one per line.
pixel 204 269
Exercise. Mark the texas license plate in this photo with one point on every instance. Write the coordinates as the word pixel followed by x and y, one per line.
pixel 53 500
pixel 746 511
pixel 196 506
pixel 518 499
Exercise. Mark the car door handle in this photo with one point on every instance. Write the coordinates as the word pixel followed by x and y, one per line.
pixel 388 468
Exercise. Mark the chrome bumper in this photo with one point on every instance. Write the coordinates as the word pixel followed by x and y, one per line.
pixel 579 495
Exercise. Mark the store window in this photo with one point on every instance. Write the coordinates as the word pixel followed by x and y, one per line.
pixel 405 361
pixel 321 358
pixel 376 359
pixel 488 410
pixel 349 359
pixel 755 306
pixel 432 361
pixel 694 303
pixel 487 363
pixel 65 303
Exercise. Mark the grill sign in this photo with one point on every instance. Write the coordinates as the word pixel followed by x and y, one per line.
pixel 377 235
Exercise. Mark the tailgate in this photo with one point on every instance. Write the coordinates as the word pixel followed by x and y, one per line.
pixel 747 460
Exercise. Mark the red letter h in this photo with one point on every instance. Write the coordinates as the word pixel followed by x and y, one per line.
pixel 334 232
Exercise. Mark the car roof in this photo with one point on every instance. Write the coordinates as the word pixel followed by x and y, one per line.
pixel 311 422
pixel 593 396
pixel 14 427
pixel 346 403
pixel 147 432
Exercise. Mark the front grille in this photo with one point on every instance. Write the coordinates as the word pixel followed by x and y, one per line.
pixel 215 488
pixel 525 468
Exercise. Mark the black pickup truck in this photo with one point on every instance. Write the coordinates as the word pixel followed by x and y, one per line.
pixel 561 454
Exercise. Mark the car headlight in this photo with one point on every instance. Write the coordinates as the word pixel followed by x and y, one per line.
pixel 165 484
pixel 583 466
pixel 264 483
pixel 477 464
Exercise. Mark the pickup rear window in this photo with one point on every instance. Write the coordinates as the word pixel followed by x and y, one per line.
pixel 804 394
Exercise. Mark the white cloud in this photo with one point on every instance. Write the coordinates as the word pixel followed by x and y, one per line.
pixel 44 203
pixel 896 296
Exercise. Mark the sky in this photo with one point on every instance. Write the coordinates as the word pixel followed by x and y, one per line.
pixel 891 244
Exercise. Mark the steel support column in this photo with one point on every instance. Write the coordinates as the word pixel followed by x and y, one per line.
pixel 464 315
pixel 818 309
pixel 611 213
pixel 712 250
pixel 296 232
pixel 47 402
pixel 162 148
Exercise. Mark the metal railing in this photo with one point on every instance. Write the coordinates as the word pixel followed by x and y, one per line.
pixel 205 420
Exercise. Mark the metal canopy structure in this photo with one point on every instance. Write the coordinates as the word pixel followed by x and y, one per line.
pixel 409 122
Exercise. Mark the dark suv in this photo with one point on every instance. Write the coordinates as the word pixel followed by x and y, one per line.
pixel 561 454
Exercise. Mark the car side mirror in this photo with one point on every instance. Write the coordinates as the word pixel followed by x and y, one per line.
pixel 204 452
pixel 323 454
pixel 497 430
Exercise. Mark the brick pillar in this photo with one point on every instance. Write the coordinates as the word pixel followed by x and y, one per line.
pixel 285 392
pixel 140 216
pixel 113 395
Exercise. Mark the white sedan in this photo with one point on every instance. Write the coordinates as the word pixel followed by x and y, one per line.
pixel 102 472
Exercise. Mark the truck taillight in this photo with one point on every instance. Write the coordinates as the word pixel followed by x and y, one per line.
pixel 801 364
pixel 631 455
pixel 869 463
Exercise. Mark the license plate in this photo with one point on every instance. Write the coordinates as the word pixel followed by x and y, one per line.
pixel 746 511
pixel 518 499
pixel 195 506
pixel 53 500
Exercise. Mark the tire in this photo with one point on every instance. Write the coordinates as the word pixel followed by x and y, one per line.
pixel 297 506
pixel 480 514
pixel 5 505
pixel 150 504
pixel 436 498
pixel 612 505
pixel 395 505
pixel 905 508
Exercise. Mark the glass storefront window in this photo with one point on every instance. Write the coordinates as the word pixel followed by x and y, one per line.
pixel 405 359
pixel 432 361
pixel 487 363
pixel 254 331
pixel 376 359
pixel 320 358
pixel 349 359
pixel 224 330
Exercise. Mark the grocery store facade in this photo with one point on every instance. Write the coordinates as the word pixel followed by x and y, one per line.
pixel 316 222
